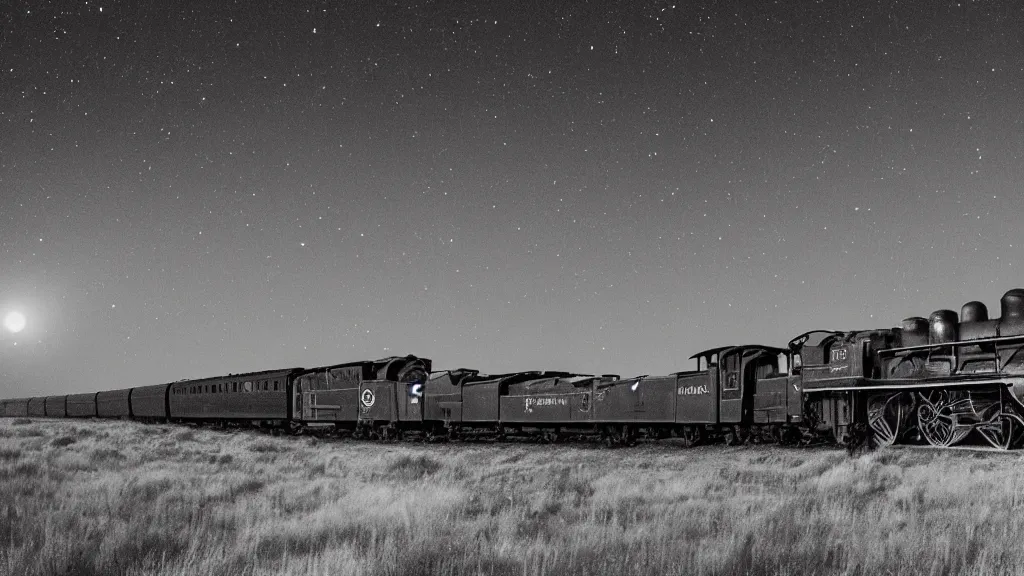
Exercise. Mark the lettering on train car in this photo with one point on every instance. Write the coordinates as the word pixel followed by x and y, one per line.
pixel 531 401
pixel 694 390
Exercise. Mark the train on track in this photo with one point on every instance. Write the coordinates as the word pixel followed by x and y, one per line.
pixel 938 381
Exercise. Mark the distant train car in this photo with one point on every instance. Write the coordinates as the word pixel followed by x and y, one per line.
pixel 150 402
pixel 37 407
pixel 114 403
pixel 480 400
pixel 17 408
pixel 82 405
pixel 56 406
pixel 442 395
pixel 377 397
pixel 256 396
pixel 548 401
pixel 644 403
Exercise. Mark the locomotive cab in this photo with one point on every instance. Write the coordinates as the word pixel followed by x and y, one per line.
pixel 733 373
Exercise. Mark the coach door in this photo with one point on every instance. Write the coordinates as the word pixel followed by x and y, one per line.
pixel 731 404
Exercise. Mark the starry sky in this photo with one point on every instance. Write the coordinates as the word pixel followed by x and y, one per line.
pixel 197 188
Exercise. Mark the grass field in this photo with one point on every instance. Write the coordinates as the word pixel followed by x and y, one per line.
pixel 87 497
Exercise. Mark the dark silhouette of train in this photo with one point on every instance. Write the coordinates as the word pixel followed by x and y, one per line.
pixel 935 380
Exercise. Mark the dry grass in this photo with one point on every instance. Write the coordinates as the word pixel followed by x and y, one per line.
pixel 124 498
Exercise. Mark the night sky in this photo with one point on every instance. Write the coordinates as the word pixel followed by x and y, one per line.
pixel 196 188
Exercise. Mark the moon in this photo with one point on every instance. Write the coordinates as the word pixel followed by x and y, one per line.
pixel 14 322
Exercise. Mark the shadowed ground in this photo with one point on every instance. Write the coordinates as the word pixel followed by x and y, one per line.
pixel 92 497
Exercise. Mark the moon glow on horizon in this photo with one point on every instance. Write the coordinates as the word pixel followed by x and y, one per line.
pixel 14 322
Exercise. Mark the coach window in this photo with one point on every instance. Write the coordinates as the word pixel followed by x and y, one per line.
pixel 275 385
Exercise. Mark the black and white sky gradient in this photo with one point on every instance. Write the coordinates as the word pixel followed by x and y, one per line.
pixel 196 188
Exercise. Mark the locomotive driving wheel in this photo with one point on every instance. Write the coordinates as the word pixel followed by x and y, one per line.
pixel 1004 429
pixel 888 415
pixel 938 419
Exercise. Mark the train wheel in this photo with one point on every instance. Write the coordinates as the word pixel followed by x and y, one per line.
pixel 628 436
pixel 388 433
pixel 692 436
pixel 937 418
pixel 608 435
pixel 887 417
pixel 790 436
pixel 1002 431
pixel 735 436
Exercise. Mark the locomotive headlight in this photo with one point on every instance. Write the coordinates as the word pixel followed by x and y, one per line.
pixel 416 390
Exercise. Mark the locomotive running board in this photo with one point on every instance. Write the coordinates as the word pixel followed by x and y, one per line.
pixel 909 384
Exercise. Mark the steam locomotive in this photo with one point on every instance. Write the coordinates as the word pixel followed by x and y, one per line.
pixel 938 381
